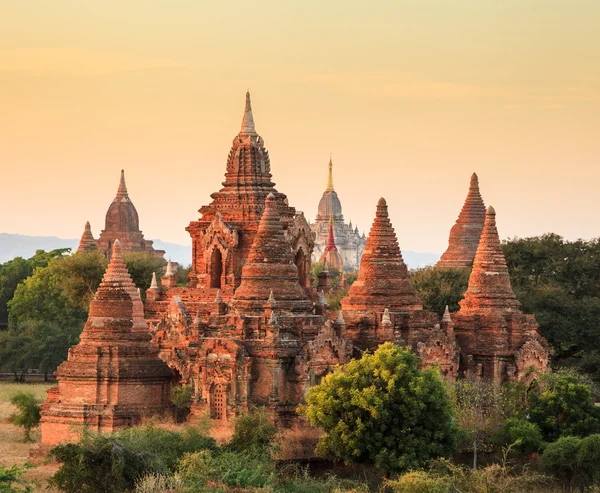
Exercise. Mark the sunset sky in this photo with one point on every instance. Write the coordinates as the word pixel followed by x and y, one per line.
pixel 410 97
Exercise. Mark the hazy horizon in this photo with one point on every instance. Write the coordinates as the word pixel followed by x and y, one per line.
pixel 409 97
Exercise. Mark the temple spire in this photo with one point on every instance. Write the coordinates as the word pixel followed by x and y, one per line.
pixel 87 242
pixel 122 191
pixel 330 176
pixel 248 119
pixel 489 283
pixel 331 246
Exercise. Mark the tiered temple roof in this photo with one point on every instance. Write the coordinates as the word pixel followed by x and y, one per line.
pixel 87 242
pixel 465 234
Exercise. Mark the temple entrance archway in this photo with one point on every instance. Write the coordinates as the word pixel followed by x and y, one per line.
pixel 216 268
pixel 301 263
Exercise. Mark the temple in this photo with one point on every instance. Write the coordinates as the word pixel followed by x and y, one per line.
pixel 331 255
pixel 498 341
pixel 252 328
pixel 113 377
pixel 464 235
pixel 350 243
pixel 123 224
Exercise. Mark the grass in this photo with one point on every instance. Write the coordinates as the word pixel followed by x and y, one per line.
pixel 12 448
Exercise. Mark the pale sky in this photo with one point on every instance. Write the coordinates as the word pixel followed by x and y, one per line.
pixel 410 97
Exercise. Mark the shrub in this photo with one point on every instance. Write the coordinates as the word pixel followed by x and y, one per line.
pixel 254 430
pixel 420 482
pixel 560 460
pixel 114 462
pixel 158 483
pixel 181 397
pixel 526 437
pixel 383 409
pixel 28 414
pixel 12 481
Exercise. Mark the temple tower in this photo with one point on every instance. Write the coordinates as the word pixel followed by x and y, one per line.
pixel 349 242
pixel 331 256
pixel 113 377
pixel 498 342
pixel 464 235
pixel 87 242
pixel 123 224
pixel 224 234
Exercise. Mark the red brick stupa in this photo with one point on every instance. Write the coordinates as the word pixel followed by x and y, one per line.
pixel 383 276
pixel 123 224
pixel 87 242
pixel 331 256
pixel 270 270
pixel 113 377
pixel 465 234
pixel 498 341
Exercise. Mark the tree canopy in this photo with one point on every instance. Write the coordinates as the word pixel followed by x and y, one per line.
pixel 383 409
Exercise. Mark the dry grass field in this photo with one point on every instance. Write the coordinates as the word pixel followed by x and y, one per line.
pixel 12 448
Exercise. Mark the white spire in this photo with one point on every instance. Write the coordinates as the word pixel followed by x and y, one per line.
pixel 154 283
pixel 248 119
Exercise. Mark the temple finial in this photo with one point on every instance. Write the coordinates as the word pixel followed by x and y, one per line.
pixel 330 176
pixel 122 191
pixel 248 119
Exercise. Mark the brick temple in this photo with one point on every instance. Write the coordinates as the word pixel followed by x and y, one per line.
pixel 122 223
pixel 350 243
pixel 251 327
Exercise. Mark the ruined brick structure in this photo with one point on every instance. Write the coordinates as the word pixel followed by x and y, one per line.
pixel 464 235
pixel 350 243
pixel 249 329
pixel 498 341
pixel 113 377
pixel 123 224
pixel 331 255
pixel 382 306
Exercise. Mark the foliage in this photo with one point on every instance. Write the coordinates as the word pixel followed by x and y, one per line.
pixel 420 482
pixel 141 265
pixel 560 460
pixel 13 272
pixel 383 409
pixel 28 412
pixel 563 405
pixel 182 275
pixel 253 431
pixel 440 287
pixel 158 483
pixel 35 344
pixel 526 437
pixel 114 462
pixel 181 397
pixel 318 267
pixel 559 281
pixel 12 480
pixel 335 297
pixel 41 297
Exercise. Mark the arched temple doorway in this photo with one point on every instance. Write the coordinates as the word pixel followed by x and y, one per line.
pixel 216 268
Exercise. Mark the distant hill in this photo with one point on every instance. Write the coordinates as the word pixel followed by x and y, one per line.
pixel 14 245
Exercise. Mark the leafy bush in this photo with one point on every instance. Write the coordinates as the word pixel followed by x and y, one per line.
pixel 114 462
pixel 563 406
pixel 254 430
pixel 560 460
pixel 383 409
pixel 526 437
pixel 158 483
pixel 420 482
pixel 181 397
pixel 28 414
pixel 12 481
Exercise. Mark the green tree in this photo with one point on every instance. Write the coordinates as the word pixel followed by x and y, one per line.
pixel 440 287
pixel 141 265
pixel 563 405
pixel 384 410
pixel 526 437
pixel 182 275
pixel 12 480
pixel 78 276
pixel 28 412
pixel 181 397
pixel 15 271
pixel 560 459
pixel 253 431
pixel 40 297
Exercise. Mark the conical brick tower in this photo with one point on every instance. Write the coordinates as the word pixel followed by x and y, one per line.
pixel 270 268
pixel 87 242
pixel 498 342
pixel 113 377
pixel 383 277
pixel 331 256
pixel 465 234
